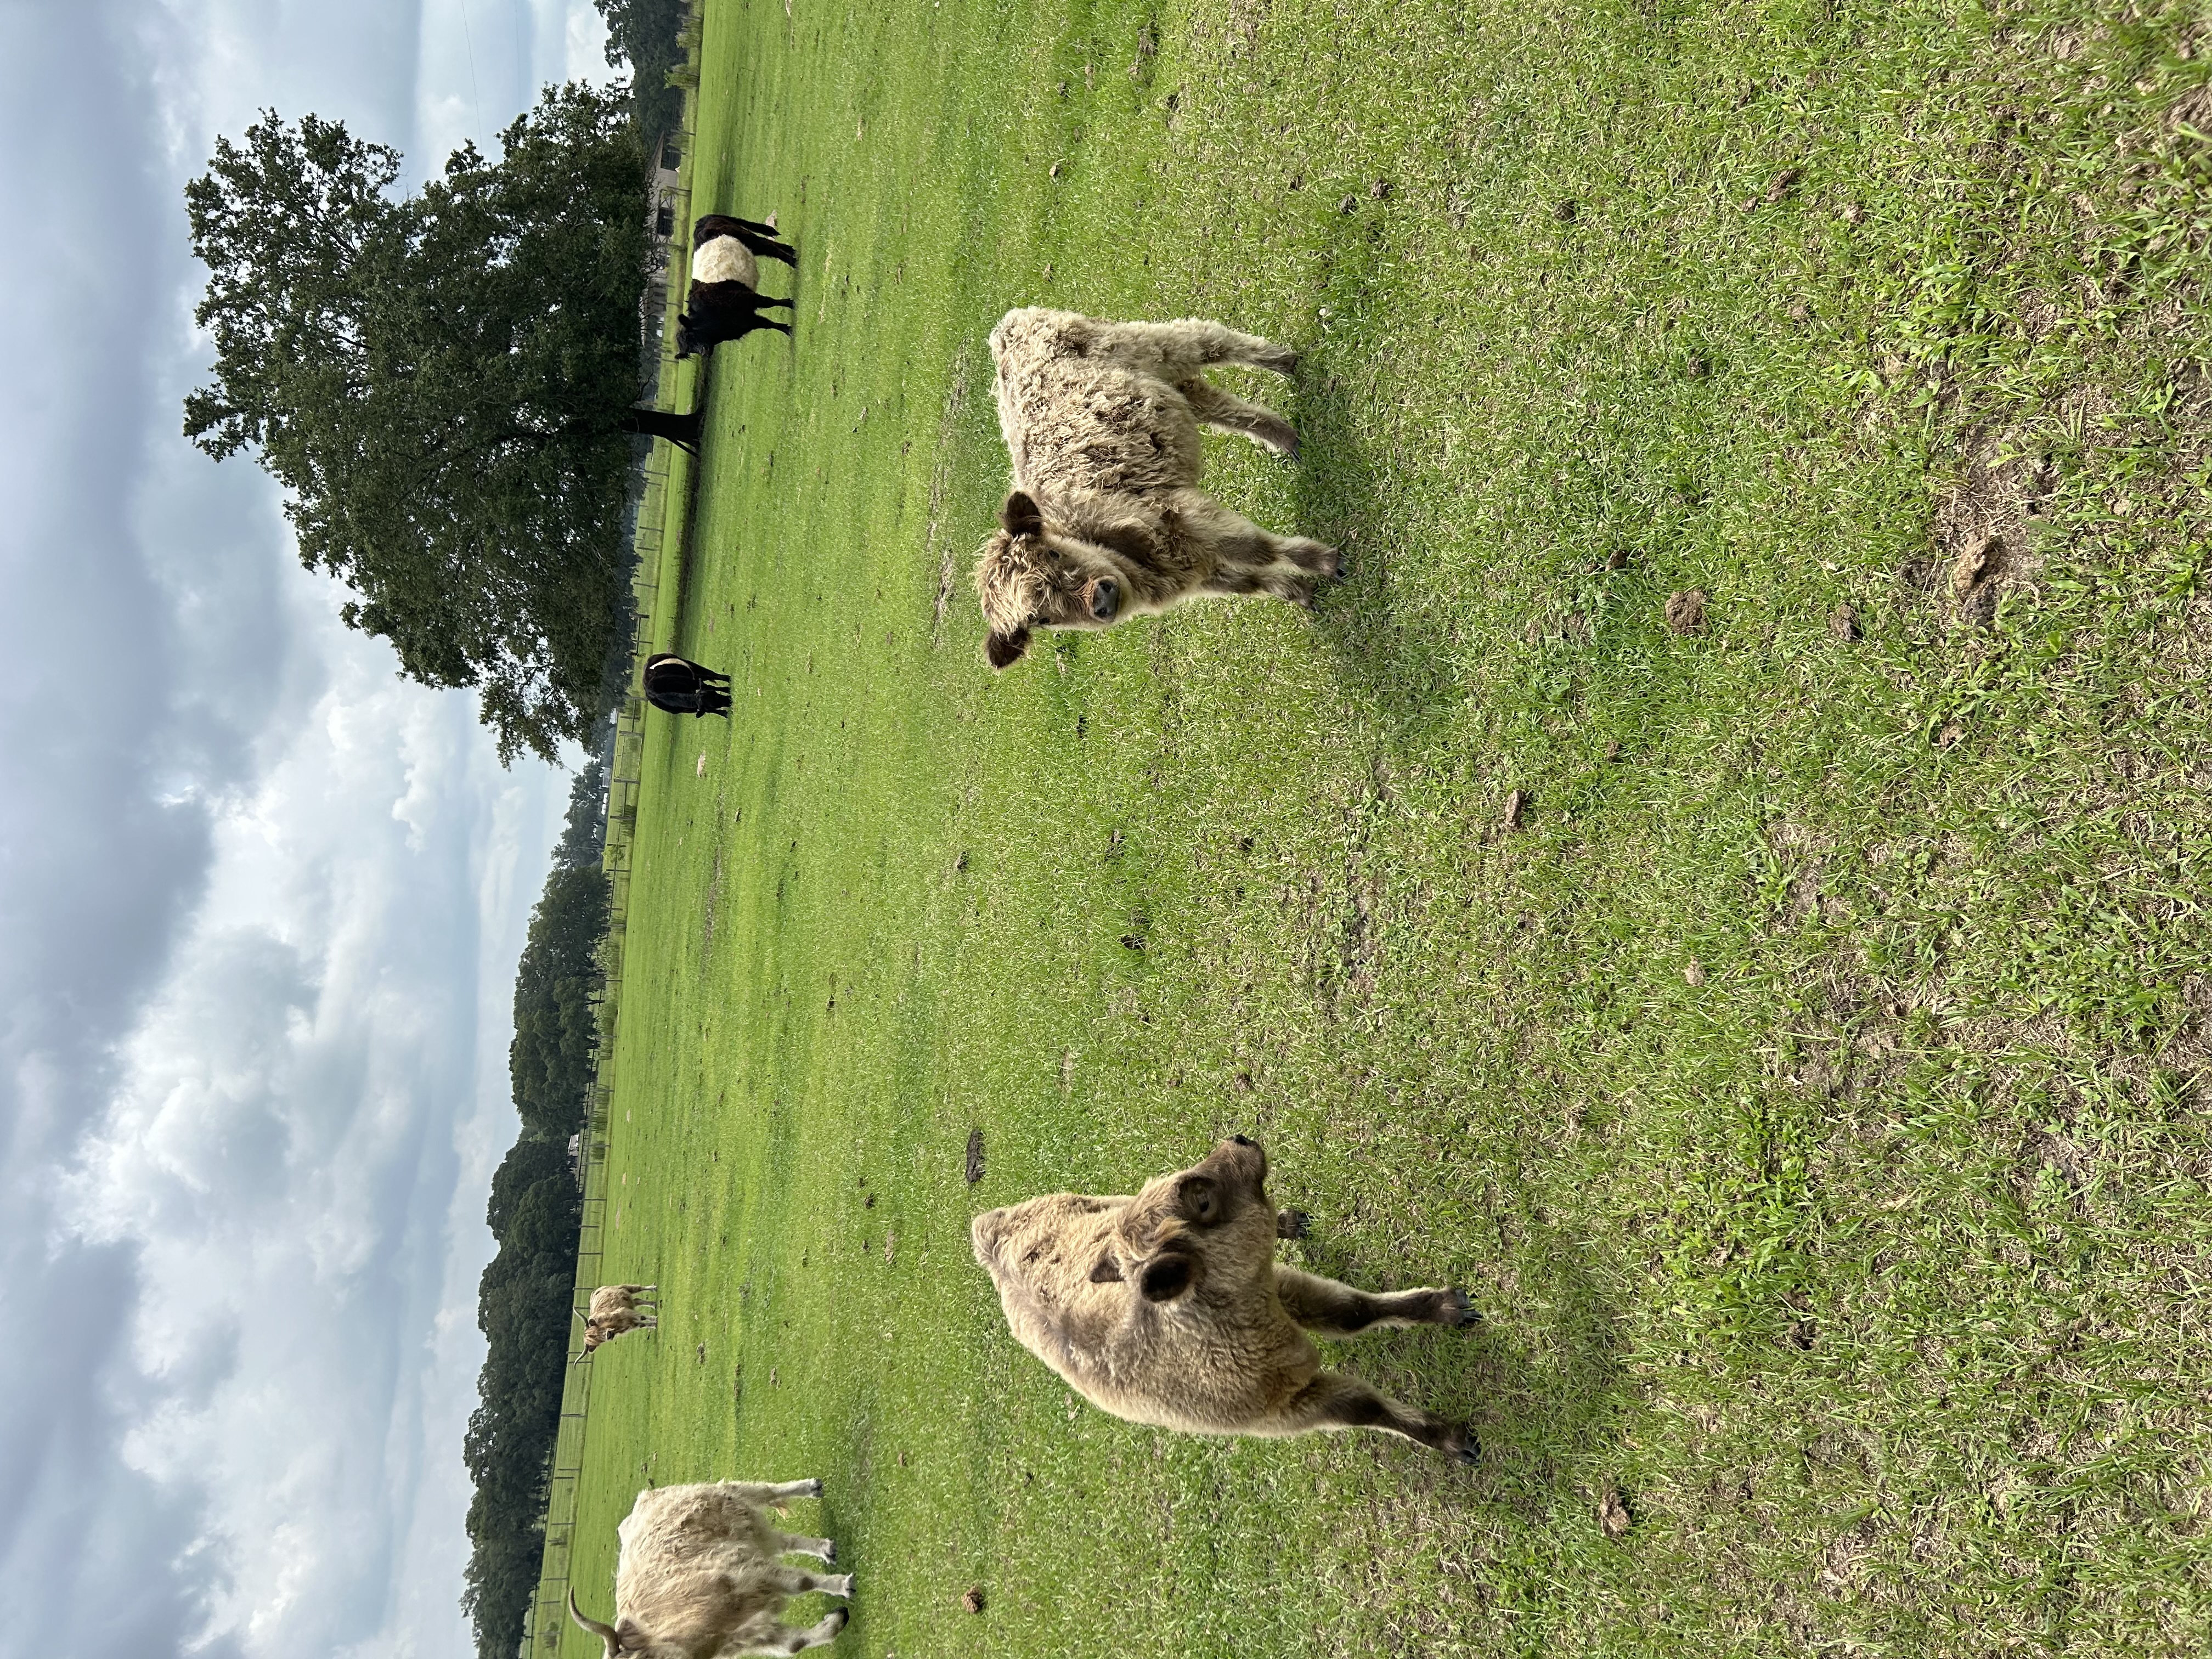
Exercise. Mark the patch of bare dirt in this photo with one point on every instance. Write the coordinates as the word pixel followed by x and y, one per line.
pixel 1983 540
pixel 2039 315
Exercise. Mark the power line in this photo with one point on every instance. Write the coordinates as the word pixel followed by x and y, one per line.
pixel 476 96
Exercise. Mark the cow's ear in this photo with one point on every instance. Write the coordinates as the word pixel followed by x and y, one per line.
pixel 631 1635
pixel 1165 1280
pixel 1108 1272
pixel 1004 650
pixel 1020 516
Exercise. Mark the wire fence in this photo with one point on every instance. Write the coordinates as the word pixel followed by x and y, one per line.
pixel 548 1609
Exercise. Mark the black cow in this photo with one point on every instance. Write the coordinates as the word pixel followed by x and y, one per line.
pixel 684 687
pixel 715 312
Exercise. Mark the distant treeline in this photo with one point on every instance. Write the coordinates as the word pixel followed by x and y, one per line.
pixel 536 1212
pixel 642 33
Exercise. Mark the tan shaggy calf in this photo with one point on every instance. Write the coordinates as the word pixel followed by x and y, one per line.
pixel 617 1308
pixel 1170 1309
pixel 1105 520
pixel 698 1576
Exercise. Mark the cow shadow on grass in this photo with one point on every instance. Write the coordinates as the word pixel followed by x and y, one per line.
pixel 1541 1381
pixel 1388 650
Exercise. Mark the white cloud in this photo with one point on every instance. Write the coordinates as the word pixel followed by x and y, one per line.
pixel 259 909
pixel 585 39
pixel 483 61
pixel 286 1155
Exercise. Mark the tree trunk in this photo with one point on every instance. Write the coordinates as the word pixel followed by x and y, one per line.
pixel 660 423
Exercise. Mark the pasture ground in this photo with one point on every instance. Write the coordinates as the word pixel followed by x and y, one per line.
pixel 1810 1085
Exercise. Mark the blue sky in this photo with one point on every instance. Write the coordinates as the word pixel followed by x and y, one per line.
pixel 260 900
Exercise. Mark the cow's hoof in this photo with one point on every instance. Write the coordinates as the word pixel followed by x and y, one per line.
pixel 1457 1311
pixel 1470 1449
pixel 830 1552
pixel 814 1489
pixel 1288 449
pixel 1290 1223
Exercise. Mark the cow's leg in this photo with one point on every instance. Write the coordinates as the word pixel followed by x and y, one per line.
pixel 776 1638
pixel 1194 342
pixel 791 1543
pixel 757 1493
pixel 1329 1308
pixel 792 1581
pixel 767 244
pixel 1226 412
pixel 1249 559
pixel 1315 558
pixel 1334 1401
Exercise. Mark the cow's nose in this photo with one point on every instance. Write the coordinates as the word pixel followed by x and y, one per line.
pixel 1106 599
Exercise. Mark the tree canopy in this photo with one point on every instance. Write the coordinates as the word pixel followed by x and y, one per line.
pixel 443 383
pixel 642 35
pixel 553 1054
pixel 535 1211
pixel 523 1308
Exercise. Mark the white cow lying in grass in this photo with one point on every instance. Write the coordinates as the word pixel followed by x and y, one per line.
pixel 698 1576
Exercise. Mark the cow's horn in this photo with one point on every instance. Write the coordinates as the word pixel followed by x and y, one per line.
pixel 605 1633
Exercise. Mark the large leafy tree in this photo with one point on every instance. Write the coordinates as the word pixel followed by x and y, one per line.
pixel 444 384
pixel 642 35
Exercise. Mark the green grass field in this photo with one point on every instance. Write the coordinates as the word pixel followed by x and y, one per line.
pixel 1810 1085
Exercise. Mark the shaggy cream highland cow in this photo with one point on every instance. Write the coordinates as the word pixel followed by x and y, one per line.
pixel 698 1576
pixel 1105 520
pixel 1170 1309
pixel 617 1308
